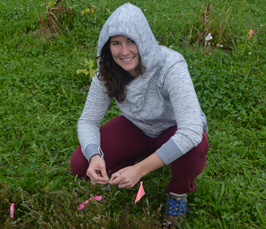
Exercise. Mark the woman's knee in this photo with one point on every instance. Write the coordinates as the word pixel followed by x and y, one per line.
pixel 78 163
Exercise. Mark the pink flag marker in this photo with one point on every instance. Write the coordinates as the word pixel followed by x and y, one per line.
pixel 12 208
pixel 87 201
pixel 141 193
pixel 250 33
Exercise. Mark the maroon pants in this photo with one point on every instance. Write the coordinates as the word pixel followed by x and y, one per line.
pixel 123 143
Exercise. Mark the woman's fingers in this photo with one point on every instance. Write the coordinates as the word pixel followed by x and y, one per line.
pixel 125 185
pixel 116 180
pixel 125 178
pixel 104 173
pixel 122 181
pixel 115 176
pixel 96 170
pixel 97 178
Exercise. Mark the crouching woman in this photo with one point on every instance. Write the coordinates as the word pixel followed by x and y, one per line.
pixel 161 118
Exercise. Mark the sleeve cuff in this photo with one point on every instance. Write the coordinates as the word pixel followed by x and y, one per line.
pixel 92 150
pixel 169 152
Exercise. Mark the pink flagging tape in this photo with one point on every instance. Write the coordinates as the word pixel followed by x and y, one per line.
pixel 141 193
pixel 250 33
pixel 12 209
pixel 87 201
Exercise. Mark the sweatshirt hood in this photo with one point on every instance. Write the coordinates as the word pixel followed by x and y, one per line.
pixel 128 20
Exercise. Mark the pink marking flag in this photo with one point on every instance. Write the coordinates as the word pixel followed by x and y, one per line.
pixel 12 208
pixel 141 193
pixel 250 33
pixel 87 201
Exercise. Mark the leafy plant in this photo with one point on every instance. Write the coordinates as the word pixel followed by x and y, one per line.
pixel 89 64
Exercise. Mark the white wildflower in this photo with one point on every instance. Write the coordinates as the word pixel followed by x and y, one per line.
pixel 145 10
pixel 221 46
pixel 208 38
pixel 249 53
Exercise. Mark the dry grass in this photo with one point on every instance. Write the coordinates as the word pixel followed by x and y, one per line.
pixel 51 22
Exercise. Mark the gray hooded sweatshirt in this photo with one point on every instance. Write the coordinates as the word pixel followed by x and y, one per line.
pixel 163 96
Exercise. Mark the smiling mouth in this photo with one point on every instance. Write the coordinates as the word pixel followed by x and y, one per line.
pixel 126 60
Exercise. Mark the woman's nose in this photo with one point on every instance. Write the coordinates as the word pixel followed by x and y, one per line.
pixel 125 50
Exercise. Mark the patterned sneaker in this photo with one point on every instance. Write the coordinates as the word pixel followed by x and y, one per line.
pixel 175 210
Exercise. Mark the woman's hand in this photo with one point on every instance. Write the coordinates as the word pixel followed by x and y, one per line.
pixel 96 171
pixel 129 176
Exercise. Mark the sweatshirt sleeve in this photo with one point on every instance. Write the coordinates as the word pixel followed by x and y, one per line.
pixel 96 105
pixel 179 87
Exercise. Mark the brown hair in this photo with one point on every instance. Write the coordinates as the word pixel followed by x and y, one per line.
pixel 114 77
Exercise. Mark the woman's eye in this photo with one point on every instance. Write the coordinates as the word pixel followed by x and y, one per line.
pixel 132 42
pixel 115 43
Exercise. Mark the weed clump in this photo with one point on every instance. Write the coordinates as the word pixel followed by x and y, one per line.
pixel 53 20
pixel 59 209
pixel 7 196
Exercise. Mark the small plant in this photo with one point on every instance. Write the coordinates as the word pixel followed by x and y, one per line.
pixel 52 20
pixel 89 64
pixel 88 71
pixel 205 26
pixel 59 17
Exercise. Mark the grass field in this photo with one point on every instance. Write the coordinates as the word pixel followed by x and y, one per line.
pixel 42 97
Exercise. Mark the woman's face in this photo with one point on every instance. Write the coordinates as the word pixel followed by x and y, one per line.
pixel 125 53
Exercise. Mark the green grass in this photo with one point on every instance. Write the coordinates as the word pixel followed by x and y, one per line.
pixel 42 98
